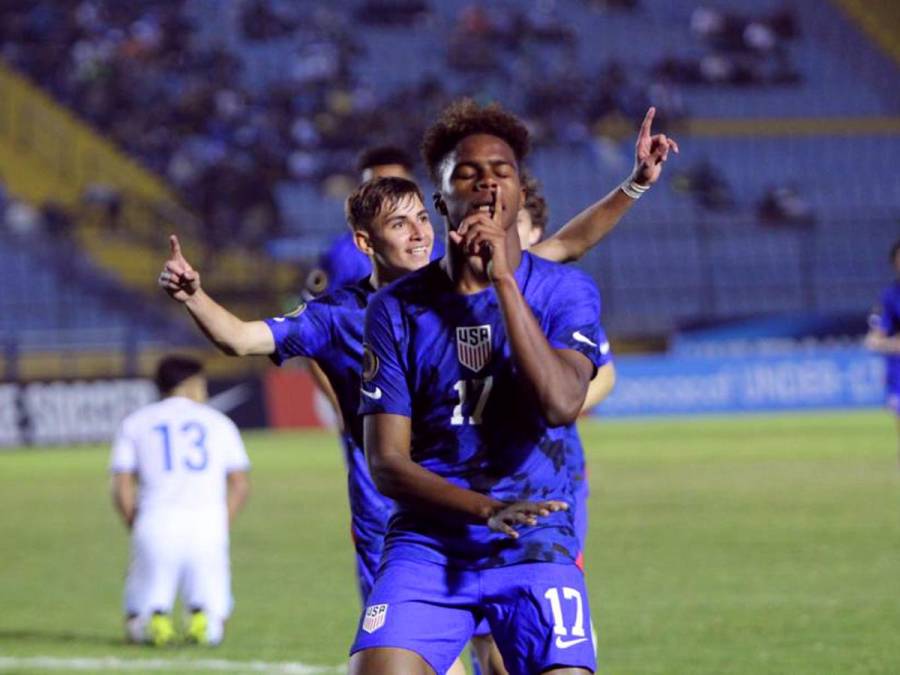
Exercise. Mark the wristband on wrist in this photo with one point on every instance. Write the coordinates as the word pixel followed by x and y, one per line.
pixel 633 189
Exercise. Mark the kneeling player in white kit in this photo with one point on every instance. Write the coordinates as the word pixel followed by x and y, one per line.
pixel 179 478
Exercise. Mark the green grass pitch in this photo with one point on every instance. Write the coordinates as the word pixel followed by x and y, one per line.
pixel 764 544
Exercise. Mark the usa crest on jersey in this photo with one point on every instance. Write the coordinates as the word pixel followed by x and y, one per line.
pixel 473 346
pixel 374 619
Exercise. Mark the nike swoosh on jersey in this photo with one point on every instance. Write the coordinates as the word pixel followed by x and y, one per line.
pixel 565 644
pixel 372 394
pixel 578 337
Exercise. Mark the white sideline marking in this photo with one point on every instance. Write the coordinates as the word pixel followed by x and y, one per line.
pixel 113 663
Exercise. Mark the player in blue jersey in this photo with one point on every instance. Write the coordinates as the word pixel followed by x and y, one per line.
pixel 476 366
pixel 884 337
pixel 325 330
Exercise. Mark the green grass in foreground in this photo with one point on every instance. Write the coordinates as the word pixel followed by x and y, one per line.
pixel 730 545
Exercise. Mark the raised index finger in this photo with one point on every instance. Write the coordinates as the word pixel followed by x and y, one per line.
pixel 648 121
pixel 175 246
pixel 495 212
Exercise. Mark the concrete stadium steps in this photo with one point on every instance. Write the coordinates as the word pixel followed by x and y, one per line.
pixel 47 153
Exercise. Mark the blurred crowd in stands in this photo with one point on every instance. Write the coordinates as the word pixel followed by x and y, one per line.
pixel 186 109
pixel 19 218
pixel 739 50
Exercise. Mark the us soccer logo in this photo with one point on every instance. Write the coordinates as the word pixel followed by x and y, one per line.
pixel 375 616
pixel 473 346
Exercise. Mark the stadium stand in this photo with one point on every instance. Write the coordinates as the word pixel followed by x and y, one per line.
pixel 786 112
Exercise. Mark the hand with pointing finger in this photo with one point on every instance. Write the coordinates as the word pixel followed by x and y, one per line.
pixel 650 152
pixel 178 278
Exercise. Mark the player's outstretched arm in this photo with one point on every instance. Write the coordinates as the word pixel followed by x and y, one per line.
pixel 124 494
pixel 586 229
pixel 396 475
pixel 229 333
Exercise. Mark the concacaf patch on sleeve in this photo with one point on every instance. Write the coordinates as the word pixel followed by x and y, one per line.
pixel 370 363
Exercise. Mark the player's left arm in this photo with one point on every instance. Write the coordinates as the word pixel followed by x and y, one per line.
pixel 559 378
pixel 238 491
pixel 586 229
pixel 124 494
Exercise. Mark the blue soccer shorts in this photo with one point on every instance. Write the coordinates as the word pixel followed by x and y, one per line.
pixel 538 613
pixel 367 561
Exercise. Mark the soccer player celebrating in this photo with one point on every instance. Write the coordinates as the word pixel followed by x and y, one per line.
pixel 391 225
pixel 884 337
pixel 179 479
pixel 476 366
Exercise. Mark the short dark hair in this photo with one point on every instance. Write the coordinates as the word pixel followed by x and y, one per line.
pixel 534 202
pixel 175 369
pixel 381 155
pixel 373 196
pixel 464 118
pixel 895 249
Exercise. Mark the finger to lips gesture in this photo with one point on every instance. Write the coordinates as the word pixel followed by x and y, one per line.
pixel 651 151
pixel 178 278
pixel 482 234
pixel 522 513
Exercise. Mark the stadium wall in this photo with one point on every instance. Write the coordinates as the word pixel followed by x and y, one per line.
pixel 683 385
pixel 68 412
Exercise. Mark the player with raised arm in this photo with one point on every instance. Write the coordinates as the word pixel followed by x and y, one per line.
pixel 884 338
pixel 179 473
pixel 388 221
pixel 475 368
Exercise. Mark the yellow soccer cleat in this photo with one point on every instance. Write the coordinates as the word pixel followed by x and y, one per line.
pixel 197 629
pixel 161 631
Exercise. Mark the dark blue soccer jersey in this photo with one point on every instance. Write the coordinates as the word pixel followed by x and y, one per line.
pixel 577 463
pixel 890 324
pixel 329 330
pixel 443 359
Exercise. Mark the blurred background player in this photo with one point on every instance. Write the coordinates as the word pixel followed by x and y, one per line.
pixel 179 472
pixel 884 337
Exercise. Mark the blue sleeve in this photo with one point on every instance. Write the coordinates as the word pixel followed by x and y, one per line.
pixel 574 319
pixel 304 332
pixel 606 355
pixel 384 387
